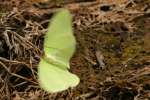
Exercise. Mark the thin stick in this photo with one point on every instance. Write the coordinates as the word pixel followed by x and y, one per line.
pixel 13 74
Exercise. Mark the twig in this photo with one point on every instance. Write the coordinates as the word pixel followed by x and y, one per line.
pixel 89 60
pixel 20 84
pixel 84 96
pixel 13 74
pixel 100 59
pixel 13 61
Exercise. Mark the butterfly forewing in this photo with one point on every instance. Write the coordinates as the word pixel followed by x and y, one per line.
pixel 59 42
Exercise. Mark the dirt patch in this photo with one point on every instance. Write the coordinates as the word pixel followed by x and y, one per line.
pixel 112 57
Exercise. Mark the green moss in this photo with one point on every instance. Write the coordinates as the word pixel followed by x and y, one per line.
pixel 131 51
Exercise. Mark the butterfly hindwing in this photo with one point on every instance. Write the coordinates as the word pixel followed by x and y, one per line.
pixel 54 79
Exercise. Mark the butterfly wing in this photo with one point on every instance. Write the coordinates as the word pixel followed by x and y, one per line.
pixel 59 44
pixel 54 79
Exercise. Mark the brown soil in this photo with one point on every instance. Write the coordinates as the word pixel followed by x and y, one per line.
pixel 113 49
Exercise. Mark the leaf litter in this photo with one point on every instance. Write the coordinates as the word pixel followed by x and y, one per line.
pixel 112 56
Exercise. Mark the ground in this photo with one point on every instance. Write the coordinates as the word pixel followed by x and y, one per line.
pixel 112 55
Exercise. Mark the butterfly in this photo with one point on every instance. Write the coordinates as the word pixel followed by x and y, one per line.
pixel 59 46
